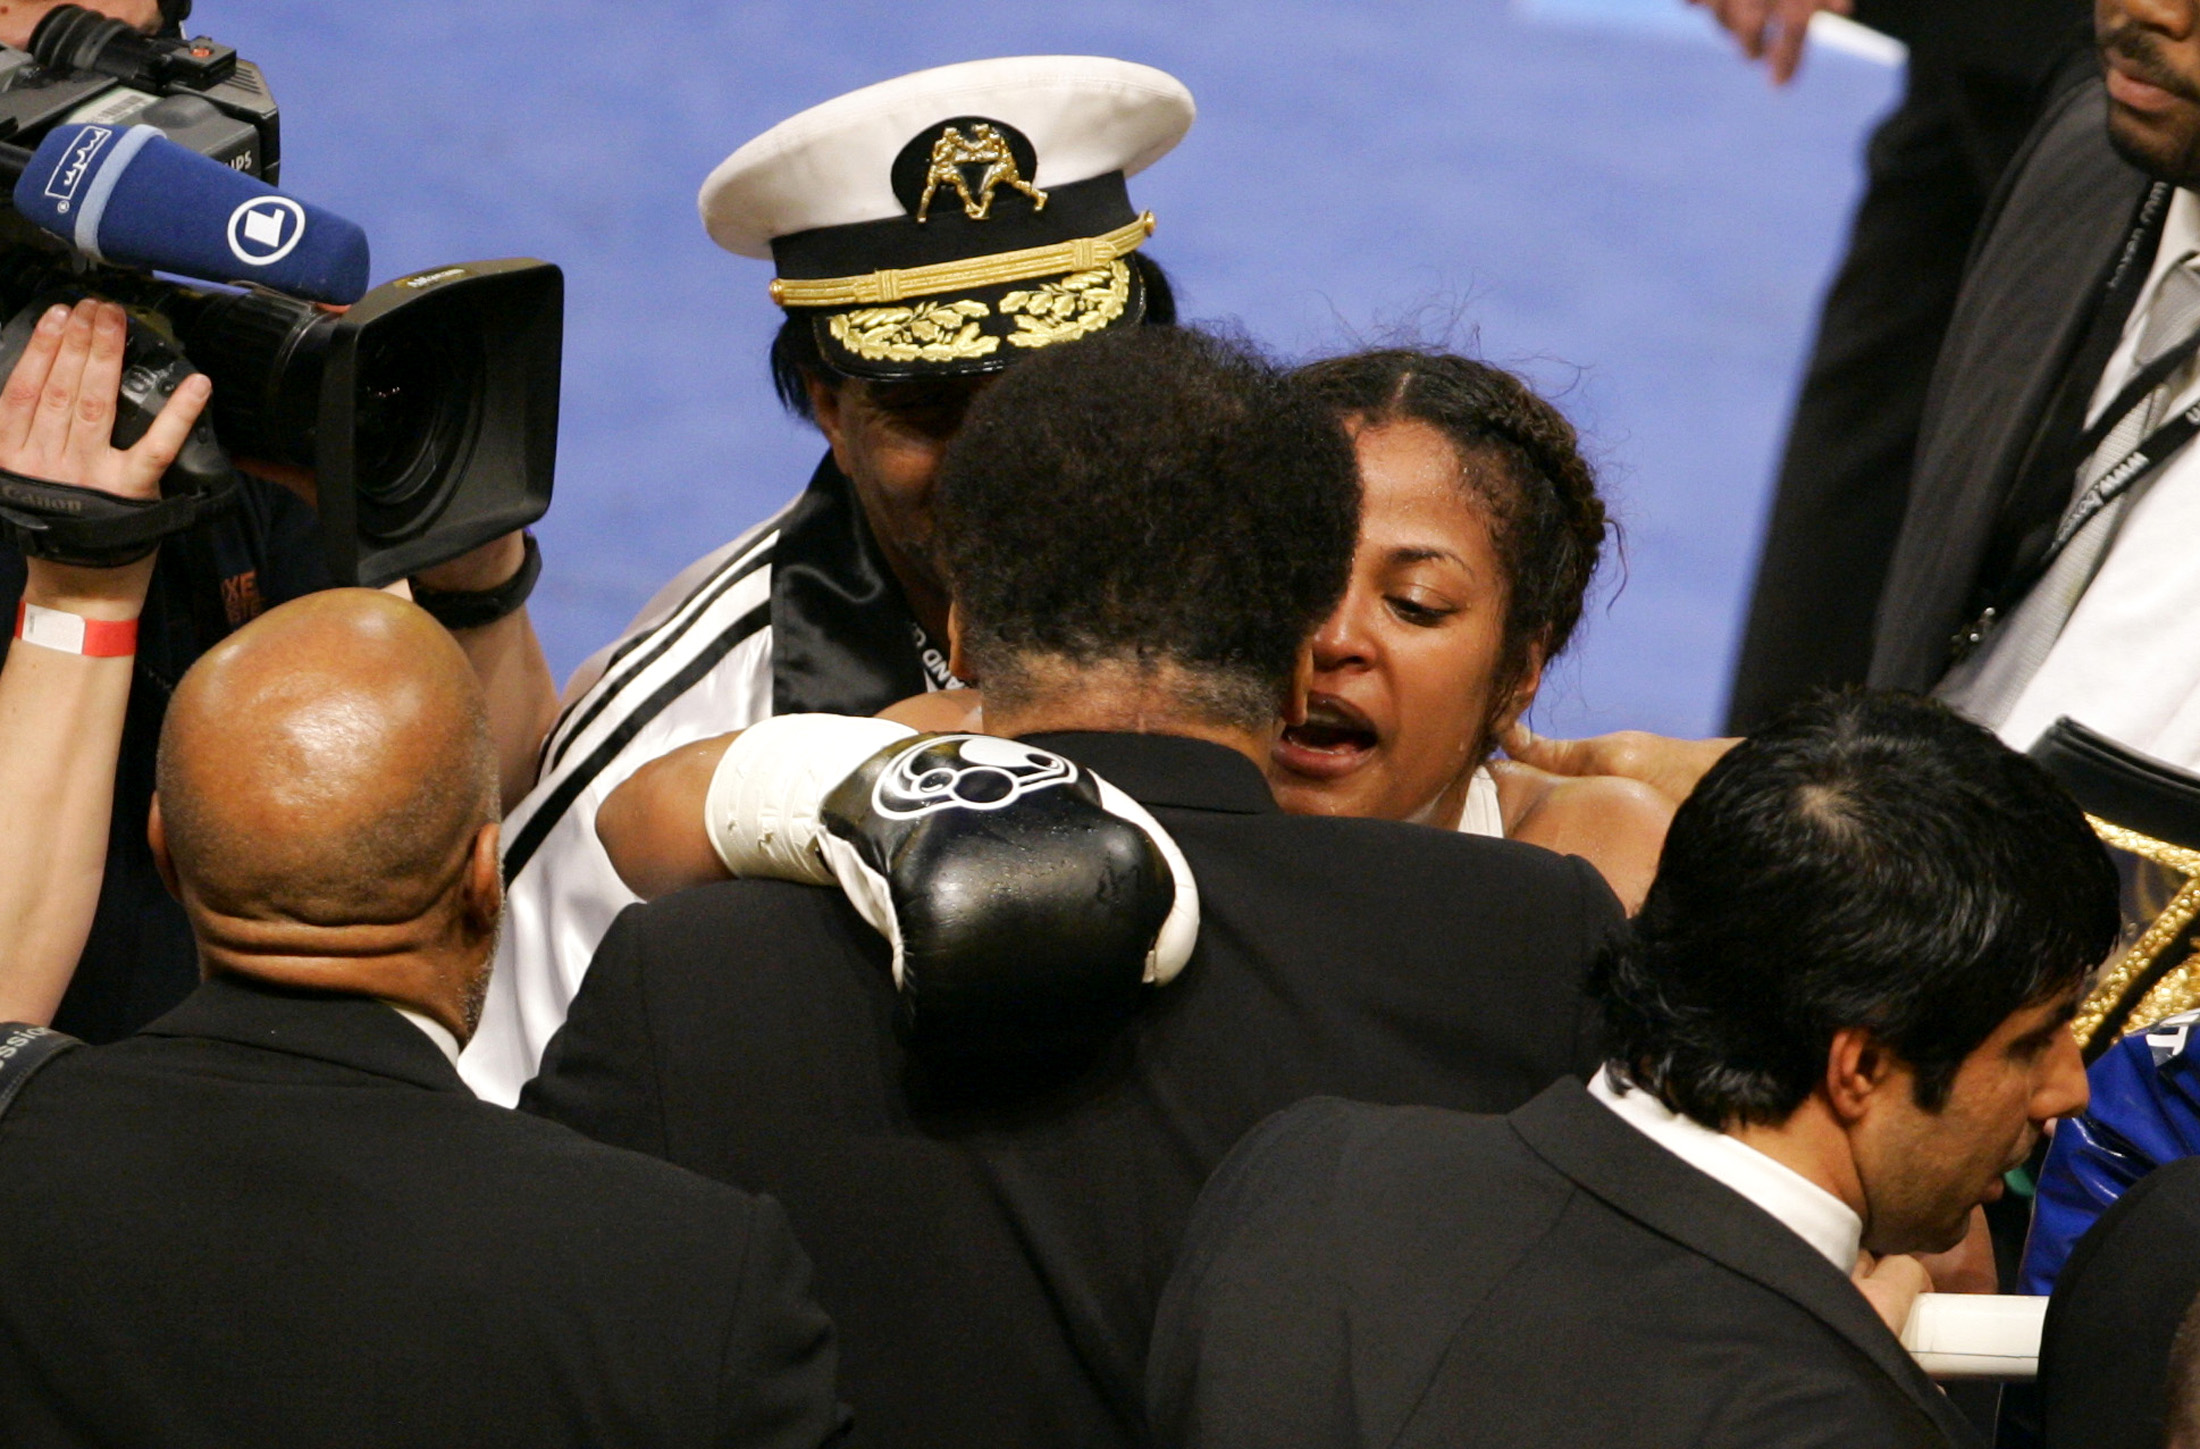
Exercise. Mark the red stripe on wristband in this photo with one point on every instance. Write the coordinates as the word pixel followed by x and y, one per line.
pixel 68 633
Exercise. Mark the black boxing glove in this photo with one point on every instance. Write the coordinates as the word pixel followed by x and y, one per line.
pixel 1027 900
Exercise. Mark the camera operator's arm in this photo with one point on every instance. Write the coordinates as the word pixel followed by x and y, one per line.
pixel 61 711
pixel 523 699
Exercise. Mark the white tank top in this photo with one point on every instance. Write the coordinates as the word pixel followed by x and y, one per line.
pixel 1482 815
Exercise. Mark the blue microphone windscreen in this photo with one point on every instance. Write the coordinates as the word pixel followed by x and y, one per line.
pixel 133 197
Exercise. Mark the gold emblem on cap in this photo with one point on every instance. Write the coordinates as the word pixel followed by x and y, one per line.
pixel 1078 305
pixel 927 332
pixel 985 147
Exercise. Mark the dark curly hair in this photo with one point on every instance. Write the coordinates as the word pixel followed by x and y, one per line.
pixel 1546 519
pixel 795 359
pixel 1153 496
pixel 1869 860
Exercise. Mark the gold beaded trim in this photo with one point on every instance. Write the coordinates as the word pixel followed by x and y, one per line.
pixel 2177 991
pixel 892 285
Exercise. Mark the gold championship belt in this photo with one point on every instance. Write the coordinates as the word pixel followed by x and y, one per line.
pixel 2148 815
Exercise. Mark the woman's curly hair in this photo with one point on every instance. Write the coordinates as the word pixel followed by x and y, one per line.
pixel 1546 518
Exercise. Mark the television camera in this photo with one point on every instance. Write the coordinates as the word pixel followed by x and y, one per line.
pixel 426 408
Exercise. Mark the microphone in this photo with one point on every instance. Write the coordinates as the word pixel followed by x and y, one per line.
pixel 134 197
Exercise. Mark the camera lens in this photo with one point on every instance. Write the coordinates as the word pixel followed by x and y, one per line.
pixel 70 37
pixel 417 394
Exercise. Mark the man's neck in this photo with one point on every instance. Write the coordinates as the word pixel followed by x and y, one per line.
pixel 420 965
pixel 1811 1144
pixel 1120 701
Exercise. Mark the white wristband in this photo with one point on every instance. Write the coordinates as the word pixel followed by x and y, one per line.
pixel 761 810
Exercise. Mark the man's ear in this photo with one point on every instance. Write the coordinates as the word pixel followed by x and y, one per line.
pixel 481 888
pixel 1858 1067
pixel 958 662
pixel 156 836
pixel 1301 685
pixel 828 407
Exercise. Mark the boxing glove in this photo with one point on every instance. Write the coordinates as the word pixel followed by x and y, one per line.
pixel 1027 900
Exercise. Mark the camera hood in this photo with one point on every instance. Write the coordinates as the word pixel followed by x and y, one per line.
pixel 437 423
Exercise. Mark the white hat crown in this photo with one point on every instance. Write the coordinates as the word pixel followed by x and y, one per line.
pixel 1085 116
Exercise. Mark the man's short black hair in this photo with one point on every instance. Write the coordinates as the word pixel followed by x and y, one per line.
pixel 1870 860
pixel 1157 496
pixel 795 357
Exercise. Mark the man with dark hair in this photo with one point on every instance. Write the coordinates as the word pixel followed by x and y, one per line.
pixel 917 255
pixel 1143 532
pixel 1841 1015
pixel 276 1215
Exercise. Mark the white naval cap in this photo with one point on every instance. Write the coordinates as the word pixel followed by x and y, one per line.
pixel 945 222
pixel 832 165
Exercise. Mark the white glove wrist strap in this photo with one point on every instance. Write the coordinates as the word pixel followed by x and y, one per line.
pixel 761 811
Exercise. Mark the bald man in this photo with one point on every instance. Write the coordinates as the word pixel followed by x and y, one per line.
pixel 277 1216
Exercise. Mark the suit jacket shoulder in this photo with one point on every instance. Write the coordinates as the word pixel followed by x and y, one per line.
pixel 1363 1276
pixel 317 1190
pixel 2026 301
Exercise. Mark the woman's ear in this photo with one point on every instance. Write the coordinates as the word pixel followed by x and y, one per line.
pixel 1523 692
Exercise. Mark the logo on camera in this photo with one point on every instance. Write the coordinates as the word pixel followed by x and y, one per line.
pixel 265 229
pixel 76 164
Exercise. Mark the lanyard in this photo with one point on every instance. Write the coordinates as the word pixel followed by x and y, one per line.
pixel 2155 449
pixel 2125 283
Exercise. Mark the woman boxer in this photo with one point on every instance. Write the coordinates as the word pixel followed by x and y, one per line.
pixel 1480 530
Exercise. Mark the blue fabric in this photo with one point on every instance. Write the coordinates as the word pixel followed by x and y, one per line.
pixel 174 210
pixel 2145 1112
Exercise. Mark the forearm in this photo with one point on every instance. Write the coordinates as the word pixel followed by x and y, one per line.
pixel 507 658
pixel 652 826
pixel 61 721
pixel 523 700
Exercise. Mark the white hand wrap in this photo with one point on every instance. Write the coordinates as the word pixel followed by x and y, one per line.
pixel 761 812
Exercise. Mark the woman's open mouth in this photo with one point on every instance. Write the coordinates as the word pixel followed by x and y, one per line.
pixel 1335 740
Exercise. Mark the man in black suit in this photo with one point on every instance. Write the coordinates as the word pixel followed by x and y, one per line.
pixel 276 1216
pixel 1840 1017
pixel 1980 73
pixel 2041 567
pixel 2106 1365
pixel 1163 527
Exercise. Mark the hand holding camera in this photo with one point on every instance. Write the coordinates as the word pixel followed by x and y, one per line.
pixel 426 408
pixel 57 423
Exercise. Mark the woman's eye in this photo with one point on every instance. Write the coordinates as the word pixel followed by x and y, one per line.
pixel 1414 611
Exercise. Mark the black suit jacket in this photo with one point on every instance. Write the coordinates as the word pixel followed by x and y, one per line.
pixel 2104 1358
pixel 1360 1275
pixel 2019 40
pixel 993 1265
pixel 2034 288
pixel 281 1219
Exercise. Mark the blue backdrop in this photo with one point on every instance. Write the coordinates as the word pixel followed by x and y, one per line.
pixel 1597 191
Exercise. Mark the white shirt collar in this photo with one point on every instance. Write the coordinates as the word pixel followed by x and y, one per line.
pixel 1816 1216
pixel 435 1030
pixel 2180 239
